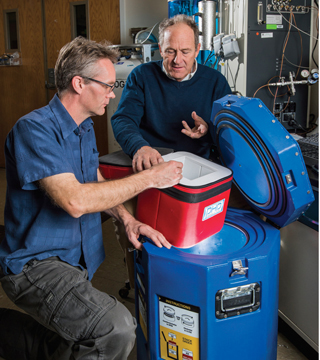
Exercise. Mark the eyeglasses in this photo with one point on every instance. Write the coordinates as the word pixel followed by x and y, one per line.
pixel 110 88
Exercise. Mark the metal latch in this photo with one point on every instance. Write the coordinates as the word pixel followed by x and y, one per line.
pixel 238 269
pixel 288 179
pixel 238 300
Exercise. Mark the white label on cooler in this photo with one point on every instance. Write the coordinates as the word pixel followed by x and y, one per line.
pixel 213 210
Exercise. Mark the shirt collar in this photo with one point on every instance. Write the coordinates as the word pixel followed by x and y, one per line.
pixel 188 77
pixel 66 122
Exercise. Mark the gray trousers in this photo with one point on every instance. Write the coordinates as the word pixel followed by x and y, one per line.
pixel 69 319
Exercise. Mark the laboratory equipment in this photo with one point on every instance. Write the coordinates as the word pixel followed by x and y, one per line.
pixel 274 38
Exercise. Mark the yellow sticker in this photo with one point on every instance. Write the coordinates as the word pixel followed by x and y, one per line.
pixel 179 330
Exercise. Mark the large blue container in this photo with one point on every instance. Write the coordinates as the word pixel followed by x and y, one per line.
pixel 195 280
pixel 219 299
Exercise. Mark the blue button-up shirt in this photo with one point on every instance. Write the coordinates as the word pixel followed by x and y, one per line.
pixel 43 143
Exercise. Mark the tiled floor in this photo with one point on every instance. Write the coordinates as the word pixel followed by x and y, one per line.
pixel 111 275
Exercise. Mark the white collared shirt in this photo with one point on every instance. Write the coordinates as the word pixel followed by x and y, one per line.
pixel 188 77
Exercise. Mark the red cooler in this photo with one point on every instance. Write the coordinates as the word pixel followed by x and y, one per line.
pixel 115 165
pixel 118 164
pixel 194 209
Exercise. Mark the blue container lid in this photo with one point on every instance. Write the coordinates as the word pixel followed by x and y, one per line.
pixel 266 161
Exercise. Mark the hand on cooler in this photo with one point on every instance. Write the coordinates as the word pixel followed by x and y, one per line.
pixel 166 174
pixel 146 157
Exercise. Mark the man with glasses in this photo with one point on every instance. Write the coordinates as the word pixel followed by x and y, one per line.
pixel 167 104
pixel 108 87
pixel 53 237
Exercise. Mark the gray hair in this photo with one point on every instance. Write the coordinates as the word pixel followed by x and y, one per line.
pixel 78 58
pixel 179 19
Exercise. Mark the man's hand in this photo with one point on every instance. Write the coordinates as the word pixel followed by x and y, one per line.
pixel 200 127
pixel 145 158
pixel 78 199
pixel 135 228
pixel 166 174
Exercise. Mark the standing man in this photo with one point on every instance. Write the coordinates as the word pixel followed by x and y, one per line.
pixel 167 104
pixel 53 238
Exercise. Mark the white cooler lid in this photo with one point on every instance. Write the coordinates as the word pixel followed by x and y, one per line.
pixel 198 171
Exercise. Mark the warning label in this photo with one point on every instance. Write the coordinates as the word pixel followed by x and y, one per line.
pixel 179 330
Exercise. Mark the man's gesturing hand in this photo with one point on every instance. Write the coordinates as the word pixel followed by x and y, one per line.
pixel 200 127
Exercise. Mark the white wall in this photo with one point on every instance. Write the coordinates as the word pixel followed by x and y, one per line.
pixel 140 13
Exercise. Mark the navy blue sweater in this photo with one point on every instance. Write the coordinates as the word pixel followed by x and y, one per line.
pixel 152 107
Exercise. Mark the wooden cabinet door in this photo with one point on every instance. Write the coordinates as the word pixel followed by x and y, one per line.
pixel 22 86
pixel 44 27
pixel 104 24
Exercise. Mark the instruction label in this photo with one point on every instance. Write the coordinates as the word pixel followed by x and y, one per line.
pixel 179 330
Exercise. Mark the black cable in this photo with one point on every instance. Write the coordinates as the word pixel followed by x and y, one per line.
pixel 209 57
pixel 312 118
pixel 296 125
pixel 314 48
pixel 236 76
pixel 316 43
pixel 234 84
pixel 217 58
